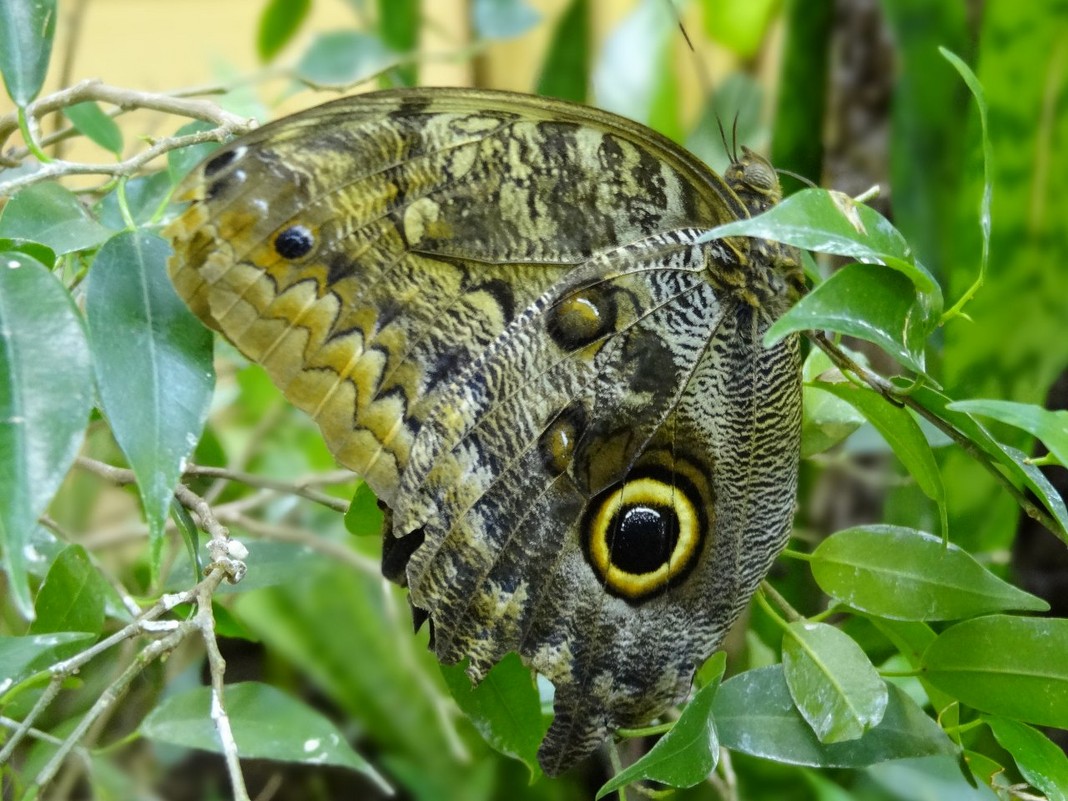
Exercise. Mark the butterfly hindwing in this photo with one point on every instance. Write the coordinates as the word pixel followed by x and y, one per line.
pixel 494 307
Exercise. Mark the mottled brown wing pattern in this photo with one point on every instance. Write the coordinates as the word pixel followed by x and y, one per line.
pixel 493 306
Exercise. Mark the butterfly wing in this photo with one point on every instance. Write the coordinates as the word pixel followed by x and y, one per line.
pixel 367 250
pixel 493 306
pixel 602 493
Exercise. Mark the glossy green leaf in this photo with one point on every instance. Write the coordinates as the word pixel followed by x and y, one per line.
pixel 266 723
pixel 1040 761
pixel 901 432
pixel 72 595
pixel 504 707
pixel 344 58
pixel 1049 426
pixel 27 28
pixel 866 301
pixel 91 121
pixel 739 25
pixel 755 715
pixel 688 752
pixel 567 62
pixel 905 574
pixel 46 392
pixel 153 362
pixel 832 682
pixel 279 22
pixel 829 222
pixel 53 216
pixel 180 162
pixel 364 517
pixel 21 657
pixel 1014 462
pixel 1011 666
pixel 502 19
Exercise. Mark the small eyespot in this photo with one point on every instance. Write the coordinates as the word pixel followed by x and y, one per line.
pixel 581 318
pixel 294 242
pixel 222 161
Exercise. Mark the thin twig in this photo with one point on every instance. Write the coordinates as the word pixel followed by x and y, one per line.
pixel 298 536
pixel 300 487
pixel 893 395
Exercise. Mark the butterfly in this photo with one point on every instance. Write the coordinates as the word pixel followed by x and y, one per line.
pixel 498 310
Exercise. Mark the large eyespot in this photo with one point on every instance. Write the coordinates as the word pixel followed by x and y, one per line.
pixel 645 534
pixel 294 242
pixel 581 317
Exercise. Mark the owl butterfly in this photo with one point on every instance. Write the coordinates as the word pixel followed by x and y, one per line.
pixel 496 309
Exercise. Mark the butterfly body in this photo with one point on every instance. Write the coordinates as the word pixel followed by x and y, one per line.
pixel 496 308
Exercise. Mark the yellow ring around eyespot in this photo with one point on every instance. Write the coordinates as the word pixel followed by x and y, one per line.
pixel 644 492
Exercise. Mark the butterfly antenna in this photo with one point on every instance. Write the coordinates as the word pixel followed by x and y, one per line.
pixel 723 138
pixel 797 177
pixel 734 137
pixel 703 78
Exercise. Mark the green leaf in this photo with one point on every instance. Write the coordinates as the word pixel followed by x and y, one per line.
pixel 930 779
pixel 27 28
pixel 687 753
pixel 344 58
pixel 144 196
pixel 504 707
pixel 827 419
pixel 266 723
pixel 1014 462
pixel 567 62
pixel 868 302
pixel 1049 426
pixel 91 121
pixel 72 595
pixel 279 23
pixel 739 25
pixel 828 222
pixel 832 682
pixel 901 432
pixel 51 215
pixel 755 715
pixel 181 162
pixel 1040 761
pixel 502 19
pixel 353 642
pixel 364 517
pixel 1011 666
pixel 153 362
pixel 905 574
pixel 46 392
pixel 21 657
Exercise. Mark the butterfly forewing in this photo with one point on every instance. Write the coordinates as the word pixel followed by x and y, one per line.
pixel 493 307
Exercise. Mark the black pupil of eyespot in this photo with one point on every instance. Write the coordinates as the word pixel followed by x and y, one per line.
pixel 642 538
pixel 219 162
pixel 293 242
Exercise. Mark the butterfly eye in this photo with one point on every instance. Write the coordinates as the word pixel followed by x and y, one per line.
pixel 644 535
pixel 759 176
pixel 294 242
pixel 581 318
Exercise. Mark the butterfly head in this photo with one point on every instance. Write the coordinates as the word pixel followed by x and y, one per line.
pixel 754 181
